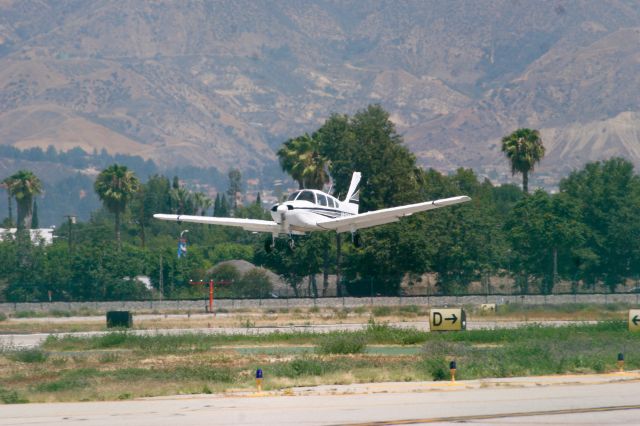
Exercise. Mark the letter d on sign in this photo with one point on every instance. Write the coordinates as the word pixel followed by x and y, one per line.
pixel 437 318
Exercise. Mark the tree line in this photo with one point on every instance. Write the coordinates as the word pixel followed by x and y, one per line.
pixel 584 234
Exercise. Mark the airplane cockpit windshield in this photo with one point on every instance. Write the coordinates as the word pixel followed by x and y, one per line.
pixel 293 196
pixel 307 196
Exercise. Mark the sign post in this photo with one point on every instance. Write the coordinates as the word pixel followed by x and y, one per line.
pixel 634 319
pixel 211 284
pixel 447 319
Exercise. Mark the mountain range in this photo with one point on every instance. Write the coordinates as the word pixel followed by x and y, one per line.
pixel 224 83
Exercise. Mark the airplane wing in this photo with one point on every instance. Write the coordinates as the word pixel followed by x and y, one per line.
pixel 392 214
pixel 253 225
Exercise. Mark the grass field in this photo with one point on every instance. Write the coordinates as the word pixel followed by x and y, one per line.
pixel 121 365
pixel 67 321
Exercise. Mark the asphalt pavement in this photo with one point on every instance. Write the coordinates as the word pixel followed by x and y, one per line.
pixel 548 400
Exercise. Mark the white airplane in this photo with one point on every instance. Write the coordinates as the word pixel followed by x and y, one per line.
pixel 309 210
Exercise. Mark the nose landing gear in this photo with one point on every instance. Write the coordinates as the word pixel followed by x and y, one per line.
pixel 356 240
pixel 269 244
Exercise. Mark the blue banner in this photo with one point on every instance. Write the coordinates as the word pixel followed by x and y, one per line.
pixel 182 247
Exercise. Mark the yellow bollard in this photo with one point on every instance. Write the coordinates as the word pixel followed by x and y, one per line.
pixel 452 370
pixel 259 379
pixel 620 362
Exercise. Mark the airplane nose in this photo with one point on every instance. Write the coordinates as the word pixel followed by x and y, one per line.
pixel 282 208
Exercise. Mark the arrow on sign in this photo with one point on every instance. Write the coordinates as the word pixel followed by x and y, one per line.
pixel 635 320
pixel 453 318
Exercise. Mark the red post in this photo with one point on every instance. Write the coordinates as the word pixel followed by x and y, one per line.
pixel 210 296
pixel 211 285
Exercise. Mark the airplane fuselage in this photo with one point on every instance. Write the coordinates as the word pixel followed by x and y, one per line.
pixel 305 210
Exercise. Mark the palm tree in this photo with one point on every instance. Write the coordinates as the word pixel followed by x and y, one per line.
pixel 182 200
pixel 301 158
pixel 23 186
pixel 524 149
pixel 5 185
pixel 201 203
pixel 115 187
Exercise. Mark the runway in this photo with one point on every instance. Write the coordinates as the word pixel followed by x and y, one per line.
pixel 586 399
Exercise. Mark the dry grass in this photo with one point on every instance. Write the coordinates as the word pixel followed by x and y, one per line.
pixel 248 318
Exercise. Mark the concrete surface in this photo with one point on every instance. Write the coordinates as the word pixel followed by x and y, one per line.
pixel 550 400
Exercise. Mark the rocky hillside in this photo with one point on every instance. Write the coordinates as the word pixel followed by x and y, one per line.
pixel 225 83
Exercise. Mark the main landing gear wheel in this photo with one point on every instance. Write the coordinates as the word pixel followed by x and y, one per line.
pixel 357 241
pixel 268 245
pixel 291 244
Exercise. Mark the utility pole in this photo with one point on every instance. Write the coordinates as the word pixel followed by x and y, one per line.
pixel 71 221
pixel 161 280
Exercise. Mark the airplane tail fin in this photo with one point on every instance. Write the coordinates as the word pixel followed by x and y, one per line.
pixel 352 198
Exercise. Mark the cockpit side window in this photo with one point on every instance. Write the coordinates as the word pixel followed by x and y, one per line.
pixel 307 196
pixel 322 199
pixel 293 196
pixel 330 202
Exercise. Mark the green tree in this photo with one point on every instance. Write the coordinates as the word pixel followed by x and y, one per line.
pixel 368 143
pixel 230 275
pixel 182 200
pixel 23 186
pixel 9 219
pixel 35 223
pixel 254 283
pixel 607 194
pixel 152 197
pixel 235 186
pixel 546 233
pixel 524 150
pixel 201 203
pixel 115 187
pixel 301 157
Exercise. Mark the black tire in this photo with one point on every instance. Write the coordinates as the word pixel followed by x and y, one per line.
pixel 268 245
pixel 357 241
pixel 291 244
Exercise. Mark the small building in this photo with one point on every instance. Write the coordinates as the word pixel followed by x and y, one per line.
pixel 37 235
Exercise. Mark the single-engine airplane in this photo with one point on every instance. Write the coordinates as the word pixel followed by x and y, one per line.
pixel 310 210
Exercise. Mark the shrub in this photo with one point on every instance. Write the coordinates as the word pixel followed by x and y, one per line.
pixel 409 310
pixel 60 313
pixel 25 314
pixel 342 313
pixel 29 355
pixel 381 311
pixel 255 284
pixel 11 397
pixel 342 343
pixel 70 380
pixel 299 367
pixel 109 357
pixel 437 368
pixel 383 333
pixel 3 316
